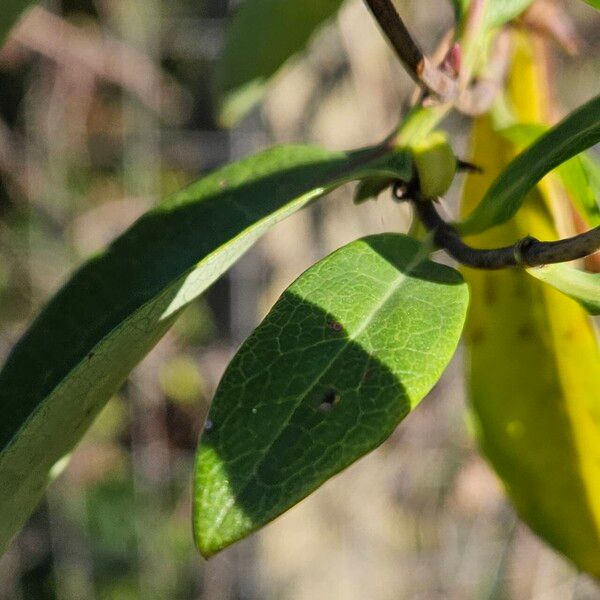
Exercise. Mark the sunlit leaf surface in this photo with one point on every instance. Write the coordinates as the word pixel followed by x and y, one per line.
pixel 118 305
pixel 576 133
pixel 345 354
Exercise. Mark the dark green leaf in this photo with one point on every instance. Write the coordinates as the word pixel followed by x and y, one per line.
pixel 578 132
pixel 369 189
pixel 264 34
pixel 116 307
pixel 579 285
pixel 345 354
pixel 580 175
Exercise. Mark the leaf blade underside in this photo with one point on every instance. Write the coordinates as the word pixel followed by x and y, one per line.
pixel 579 285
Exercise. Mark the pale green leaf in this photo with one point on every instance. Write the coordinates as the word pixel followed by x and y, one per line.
pixel 579 285
pixel 263 35
pixel 576 133
pixel 348 350
pixel 117 306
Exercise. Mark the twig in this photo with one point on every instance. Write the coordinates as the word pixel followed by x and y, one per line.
pixel 416 63
pixel 473 100
pixel 528 252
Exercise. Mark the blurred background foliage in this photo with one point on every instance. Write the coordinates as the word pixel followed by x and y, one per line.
pixel 105 108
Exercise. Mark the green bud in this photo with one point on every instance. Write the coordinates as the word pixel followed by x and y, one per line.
pixel 435 164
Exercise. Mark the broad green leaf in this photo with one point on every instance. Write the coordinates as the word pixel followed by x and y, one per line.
pixel 580 175
pixel 579 285
pixel 533 364
pixel 117 306
pixel 578 132
pixel 345 354
pixel 9 14
pixel 263 35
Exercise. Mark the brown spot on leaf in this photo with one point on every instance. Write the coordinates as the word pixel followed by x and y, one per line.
pixel 335 326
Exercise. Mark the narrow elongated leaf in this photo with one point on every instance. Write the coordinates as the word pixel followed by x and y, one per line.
pixel 578 132
pixel 500 12
pixel 497 12
pixel 263 35
pixel 580 175
pixel 348 350
pixel 117 306
pixel 533 362
pixel 579 285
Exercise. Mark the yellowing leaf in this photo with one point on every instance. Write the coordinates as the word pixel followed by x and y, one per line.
pixel 534 365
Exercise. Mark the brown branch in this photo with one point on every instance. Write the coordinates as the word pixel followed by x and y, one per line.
pixel 528 252
pixel 475 99
pixel 420 68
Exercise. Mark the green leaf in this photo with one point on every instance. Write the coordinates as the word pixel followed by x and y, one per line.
pixel 532 357
pixel 578 132
pixel 500 12
pixel 9 15
pixel 497 12
pixel 580 175
pixel 348 350
pixel 594 3
pixel 579 285
pixel 591 166
pixel 369 189
pixel 117 306
pixel 264 34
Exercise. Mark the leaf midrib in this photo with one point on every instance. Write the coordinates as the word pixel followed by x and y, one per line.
pixel 418 259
